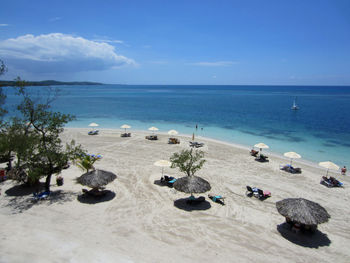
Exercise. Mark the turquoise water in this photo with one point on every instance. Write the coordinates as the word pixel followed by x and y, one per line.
pixel 246 115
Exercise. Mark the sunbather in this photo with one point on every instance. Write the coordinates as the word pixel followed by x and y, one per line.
pixel 217 198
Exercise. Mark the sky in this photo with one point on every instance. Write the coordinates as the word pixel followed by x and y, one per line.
pixel 193 42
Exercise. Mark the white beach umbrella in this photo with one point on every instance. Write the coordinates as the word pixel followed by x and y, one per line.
pixel 261 146
pixel 329 165
pixel 125 126
pixel 173 132
pixel 162 163
pixel 92 124
pixel 153 129
pixel 292 155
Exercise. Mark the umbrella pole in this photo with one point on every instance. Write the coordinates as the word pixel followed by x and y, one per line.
pixel 162 171
pixel 291 160
pixel 327 172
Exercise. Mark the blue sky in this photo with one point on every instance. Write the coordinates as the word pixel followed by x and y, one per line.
pixel 270 42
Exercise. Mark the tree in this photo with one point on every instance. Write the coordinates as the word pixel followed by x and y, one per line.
pixel 86 161
pixel 47 156
pixel 3 69
pixel 16 137
pixel 188 161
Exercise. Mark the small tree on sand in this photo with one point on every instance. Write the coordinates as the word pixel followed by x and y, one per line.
pixel 188 161
pixel 48 156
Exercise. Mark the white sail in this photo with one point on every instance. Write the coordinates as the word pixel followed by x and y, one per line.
pixel 295 106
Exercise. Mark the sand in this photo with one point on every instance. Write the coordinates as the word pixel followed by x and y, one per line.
pixel 141 223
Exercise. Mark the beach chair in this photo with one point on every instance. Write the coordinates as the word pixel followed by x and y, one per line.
pixel 254 153
pixel 262 158
pixel 171 182
pixel 41 196
pixel 124 135
pixel 262 195
pixel 331 182
pixel 217 198
pixel 251 191
pixel 195 201
pixel 93 132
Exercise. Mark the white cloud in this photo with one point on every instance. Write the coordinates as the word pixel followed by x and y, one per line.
pixel 214 64
pixel 109 41
pixel 58 52
pixel 4 24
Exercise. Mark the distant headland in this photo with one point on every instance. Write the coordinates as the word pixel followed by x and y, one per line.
pixel 5 83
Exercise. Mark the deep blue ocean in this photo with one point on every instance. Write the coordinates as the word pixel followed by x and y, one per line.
pixel 246 115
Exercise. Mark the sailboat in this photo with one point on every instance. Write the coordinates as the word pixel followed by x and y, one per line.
pixel 295 106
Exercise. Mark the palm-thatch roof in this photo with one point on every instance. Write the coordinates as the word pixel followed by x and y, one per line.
pixel 302 211
pixel 192 184
pixel 96 178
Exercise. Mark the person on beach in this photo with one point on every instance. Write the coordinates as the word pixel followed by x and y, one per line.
pixel 343 170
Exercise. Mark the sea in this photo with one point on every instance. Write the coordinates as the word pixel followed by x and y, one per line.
pixel 319 130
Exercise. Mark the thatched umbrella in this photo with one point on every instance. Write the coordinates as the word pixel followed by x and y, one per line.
pixel 192 184
pixel 302 211
pixel 96 178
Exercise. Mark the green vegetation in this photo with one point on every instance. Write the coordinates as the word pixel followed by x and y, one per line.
pixel 188 161
pixel 33 138
pixel 86 161
pixel 6 83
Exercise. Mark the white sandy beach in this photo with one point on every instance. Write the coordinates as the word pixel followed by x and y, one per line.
pixel 142 224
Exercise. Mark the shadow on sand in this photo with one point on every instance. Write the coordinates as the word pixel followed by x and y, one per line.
pixel 162 184
pixel 182 204
pixel 21 203
pixel 89 199
pixel 23 189
pixel 305 239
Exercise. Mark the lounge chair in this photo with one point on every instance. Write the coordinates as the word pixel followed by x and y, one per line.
pixel 93 132
pixel 152 137
pixel 251 191
pixel 254 153
pixel 41 196
pixel 173 141
pixel 194 201
pixel 262 158
pixel 290 169
pixel 263 194
pixel 217 198
pixel 168 180
pixel 331 182
pixel 258 193
pixel 196 144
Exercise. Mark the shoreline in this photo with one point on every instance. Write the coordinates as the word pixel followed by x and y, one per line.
pixel 301 161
